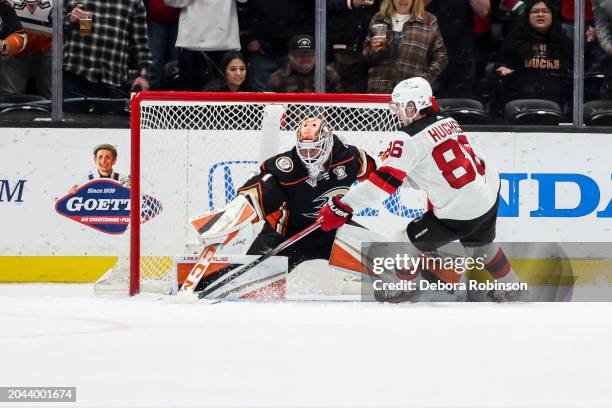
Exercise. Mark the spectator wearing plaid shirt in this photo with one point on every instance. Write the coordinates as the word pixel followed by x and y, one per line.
pixel 97 65
pixel 413 45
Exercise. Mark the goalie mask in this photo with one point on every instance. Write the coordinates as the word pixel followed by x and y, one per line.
pixel 409 97
pixel 314 144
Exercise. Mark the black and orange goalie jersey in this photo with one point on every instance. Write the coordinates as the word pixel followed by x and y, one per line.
pixel 289 200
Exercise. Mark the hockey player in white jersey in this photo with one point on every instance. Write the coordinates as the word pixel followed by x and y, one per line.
pixel 430 152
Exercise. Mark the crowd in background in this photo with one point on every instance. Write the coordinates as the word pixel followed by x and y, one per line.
pixel 489 50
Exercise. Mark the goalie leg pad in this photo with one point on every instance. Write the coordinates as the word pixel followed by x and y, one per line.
pixel 266 281
pixel 346 253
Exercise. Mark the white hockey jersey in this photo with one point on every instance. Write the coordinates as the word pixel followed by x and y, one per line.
pixel 432 154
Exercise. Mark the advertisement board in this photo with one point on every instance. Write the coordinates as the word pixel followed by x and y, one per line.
pixel 555 188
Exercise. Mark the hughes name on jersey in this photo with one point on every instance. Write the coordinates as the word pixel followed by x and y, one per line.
pixel 289 199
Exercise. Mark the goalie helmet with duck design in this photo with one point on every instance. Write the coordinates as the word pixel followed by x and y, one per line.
pixel 314 144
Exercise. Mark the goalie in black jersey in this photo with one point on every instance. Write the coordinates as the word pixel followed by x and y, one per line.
pixel 292 187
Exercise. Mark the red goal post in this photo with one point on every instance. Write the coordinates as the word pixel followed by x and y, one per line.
pixel 178 139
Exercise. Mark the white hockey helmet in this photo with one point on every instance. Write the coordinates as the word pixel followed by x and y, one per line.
pixel 314 142
pixel 416 90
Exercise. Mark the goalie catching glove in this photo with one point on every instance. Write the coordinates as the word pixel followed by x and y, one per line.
pixel 334 214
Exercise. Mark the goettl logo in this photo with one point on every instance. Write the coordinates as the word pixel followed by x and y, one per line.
pixel 105 206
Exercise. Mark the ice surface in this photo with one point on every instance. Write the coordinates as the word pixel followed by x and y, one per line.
pixel 140 352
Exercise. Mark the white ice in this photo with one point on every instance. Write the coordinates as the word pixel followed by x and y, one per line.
pixel 139 352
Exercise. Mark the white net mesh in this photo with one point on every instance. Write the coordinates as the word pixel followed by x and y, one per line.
pixel 194 155
pixel 248 116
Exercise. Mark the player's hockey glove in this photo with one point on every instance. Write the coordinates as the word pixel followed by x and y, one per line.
pixel 334 214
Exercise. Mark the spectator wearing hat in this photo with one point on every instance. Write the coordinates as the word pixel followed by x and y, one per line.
pixel 266 26
pixel 298 74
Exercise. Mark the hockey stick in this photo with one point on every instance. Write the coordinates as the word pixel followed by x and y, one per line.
pixel 245 268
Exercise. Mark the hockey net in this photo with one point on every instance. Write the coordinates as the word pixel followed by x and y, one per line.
pixel 191 151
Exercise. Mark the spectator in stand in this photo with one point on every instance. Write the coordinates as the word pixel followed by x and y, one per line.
pixel 13 38
pixel 34 64
pixel 298 74
pixel 602 14
pixel 456 20
pixel 267 26
pixel 536 56
pixel 96 62
pixel 482 42
pixel 407 43
pixel 234 66
pixel 162 25
pixel 347 28
pixel 594 55
pixel 207 29
pixel 567 12
pixel 31 70
pixel 506 13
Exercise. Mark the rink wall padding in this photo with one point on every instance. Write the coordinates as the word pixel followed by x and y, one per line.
pixel 556 187
pixel 77 269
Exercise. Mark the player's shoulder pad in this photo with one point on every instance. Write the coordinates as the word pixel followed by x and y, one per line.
pixel 259 182
pixel 342 150
pixel 281 165
pixel 340 140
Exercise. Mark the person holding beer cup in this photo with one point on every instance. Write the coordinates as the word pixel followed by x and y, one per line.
pixel 83 17
pixel 403 41
pixel 100 37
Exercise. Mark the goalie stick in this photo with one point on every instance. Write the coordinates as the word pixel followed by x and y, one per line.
pixel 245 268
pixel 197 273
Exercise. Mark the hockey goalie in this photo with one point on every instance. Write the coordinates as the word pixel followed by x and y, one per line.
pixel 286 196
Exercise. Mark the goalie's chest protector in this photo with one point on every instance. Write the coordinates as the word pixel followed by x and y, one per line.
pixel 304 197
